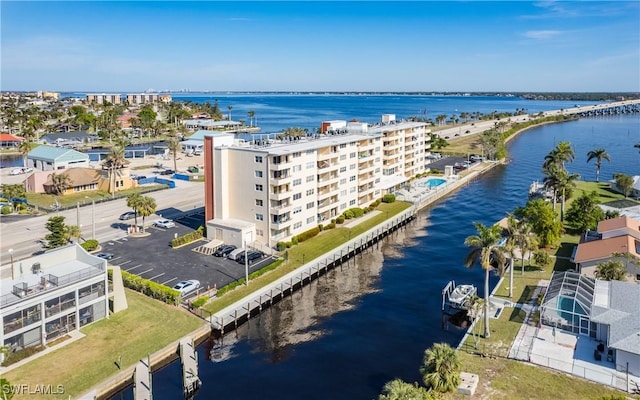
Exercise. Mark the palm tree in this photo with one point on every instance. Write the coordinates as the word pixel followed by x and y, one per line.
pixel 441 368
pixel 72 232
pixel 114 161
pixel 483 249
pixel 146 207
pixel 24 148
pixel 611 270
pixel 251 114
pixel 174 148
pixel 60 182
pixel 133 202
pixel 559 155
pixel 230 108
pixel 565 180
pixel 599 155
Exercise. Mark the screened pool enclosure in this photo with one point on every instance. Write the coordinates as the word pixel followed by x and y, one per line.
pixel 567 303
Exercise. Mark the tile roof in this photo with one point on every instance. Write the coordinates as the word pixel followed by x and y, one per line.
pixel 7 137
pixel 601 249
pixel 618 223
pixel 79 176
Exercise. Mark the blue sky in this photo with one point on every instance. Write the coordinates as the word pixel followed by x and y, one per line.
pixel 321 46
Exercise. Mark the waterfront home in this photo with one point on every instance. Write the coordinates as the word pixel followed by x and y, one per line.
pixel 9 141
pixel 635 187
pixel 615 239
pixel 211 125
pixel 68 139
pixel 46 296
pixel 49 158
pixel 607 311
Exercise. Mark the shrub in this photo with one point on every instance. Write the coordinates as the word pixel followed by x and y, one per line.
pixel 294 240
pixel 339 220
pixel 357 212
pixel 541 258
pixel 389 198
pixel 348 214
pixel 308 234
pixel 283 245
pixel 149 288
pixel 321 227
pixel 253 275
pixel 187 238
pixel 330 226
pixel 374 204
pixel 15 356
pixel 90 245
pixel 5 210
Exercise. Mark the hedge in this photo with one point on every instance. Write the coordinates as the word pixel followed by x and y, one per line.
pixel 90 245
pixel 253 275
pixel 200 302
pixel 188 238
pixel 149 288
pixel 305 235
pixel 389 198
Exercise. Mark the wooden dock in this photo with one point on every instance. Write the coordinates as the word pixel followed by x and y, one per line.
pixel 189 358
pixel 142 381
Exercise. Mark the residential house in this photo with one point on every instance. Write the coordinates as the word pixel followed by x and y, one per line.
pixel 8 140
pixel 615 239
pixel 635 187
pixel 69 139
pixel 48 158
pixel 211 125
pixel 608 311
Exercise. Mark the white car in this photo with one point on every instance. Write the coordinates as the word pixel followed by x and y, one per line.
pixel 164 223
pixel 186 287
pixel 16 171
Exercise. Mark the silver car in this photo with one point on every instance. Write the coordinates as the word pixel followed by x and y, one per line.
pixel 186 287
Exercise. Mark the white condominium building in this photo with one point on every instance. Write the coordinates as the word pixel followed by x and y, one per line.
pixel 101 98
pixel 142 98
pixel 271 190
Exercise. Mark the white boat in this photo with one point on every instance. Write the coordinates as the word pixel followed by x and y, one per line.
pixel 538 191
pixel 460 296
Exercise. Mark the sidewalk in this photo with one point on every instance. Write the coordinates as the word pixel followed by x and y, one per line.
pixel 522 344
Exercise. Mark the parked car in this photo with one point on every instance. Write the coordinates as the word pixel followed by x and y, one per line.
pixel 251 257
pixel 235 254
pixel 224 250
pixel 106 256
pixel 138 177
pixel 459 166
pixel 168 172
pixel 193 169
pixel 164 223
pixel 128 215
pixel 186 287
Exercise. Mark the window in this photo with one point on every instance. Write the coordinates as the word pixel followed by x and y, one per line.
pixel 259 232
pixel 343 181
pixel 297 196
pixel 343 192
pixel 309 152
pixel 258 159
pixel 297 225
pixel 259 217
pixel 311 178
pixel 352 178
pixel 297 210
pixel 353 166
pixel 258 188
pixel 310 192
pixel 343 146
pixel 352 155
pixel 343 206
pixel 352 190
pixel 343 169
pixel 310 205
pixel 311 164
pixel 259 202
pixel 296 154
pixel 352 203
pixel 297 182
pixel 343 157
pixel 258 174
pixel 297 168
pixel 310 220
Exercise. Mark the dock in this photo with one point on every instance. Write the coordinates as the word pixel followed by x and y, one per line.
pixel 142 381
pixel 189 358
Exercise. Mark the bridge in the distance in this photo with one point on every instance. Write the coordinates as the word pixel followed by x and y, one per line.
pixel 618 107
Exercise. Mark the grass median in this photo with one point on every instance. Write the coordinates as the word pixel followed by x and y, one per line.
pixel 309 250
pixel 144 328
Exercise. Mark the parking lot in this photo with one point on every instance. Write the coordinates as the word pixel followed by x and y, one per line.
pixel 152 257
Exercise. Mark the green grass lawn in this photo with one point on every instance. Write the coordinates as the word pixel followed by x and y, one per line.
pixel 70 200
pixel 144 328
pixel 605 194
pixel 309 249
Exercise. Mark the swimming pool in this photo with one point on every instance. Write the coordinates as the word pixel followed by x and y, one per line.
pixel 433 182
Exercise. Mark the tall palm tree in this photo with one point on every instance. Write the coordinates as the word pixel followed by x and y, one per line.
pixel 175 147
pixel 483 249
pixel 72 232
pixel 147 206
pixel 561 154
pixel 441 368
pixel 598 154
pixel 133 202
pixel 114 161
pixel 230 108
pixel 565 180
pixel 251 114
pixel 24 148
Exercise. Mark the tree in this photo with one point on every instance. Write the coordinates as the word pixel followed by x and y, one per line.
pixel 251 114
pixel 397 389
pixel 133 201
pixel 561 154
pixel 624 183
pixel 58 235
pixel 72 232
pixel 114 161
pixel 542 218
pixel 6 392
pixel 60 182
pixel 175 147
pixel 147 206
pixel 13 192
pixel 229 108
pixel 441 368
pixel 584 212
pixel 484 249
pixel 565 181
pixel 24 148
pixel 598 154
pixel 611 271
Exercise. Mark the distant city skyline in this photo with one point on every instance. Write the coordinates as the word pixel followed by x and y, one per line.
pixel 321 46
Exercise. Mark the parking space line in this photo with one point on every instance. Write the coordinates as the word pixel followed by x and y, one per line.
pixel 132 268
pixel 172 279
pixel 126 262
pixel 115 258
pixel 157 276
pixel 144 272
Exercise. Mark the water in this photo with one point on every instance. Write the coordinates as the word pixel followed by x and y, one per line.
pixel 348 333
pixel 433 183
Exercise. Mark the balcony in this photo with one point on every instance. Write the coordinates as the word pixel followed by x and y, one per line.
pixel 281 206
pixel 280 223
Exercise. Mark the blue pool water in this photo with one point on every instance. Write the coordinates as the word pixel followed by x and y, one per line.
pixel 433 182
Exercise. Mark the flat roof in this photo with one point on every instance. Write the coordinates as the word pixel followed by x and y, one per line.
pixel 304 144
